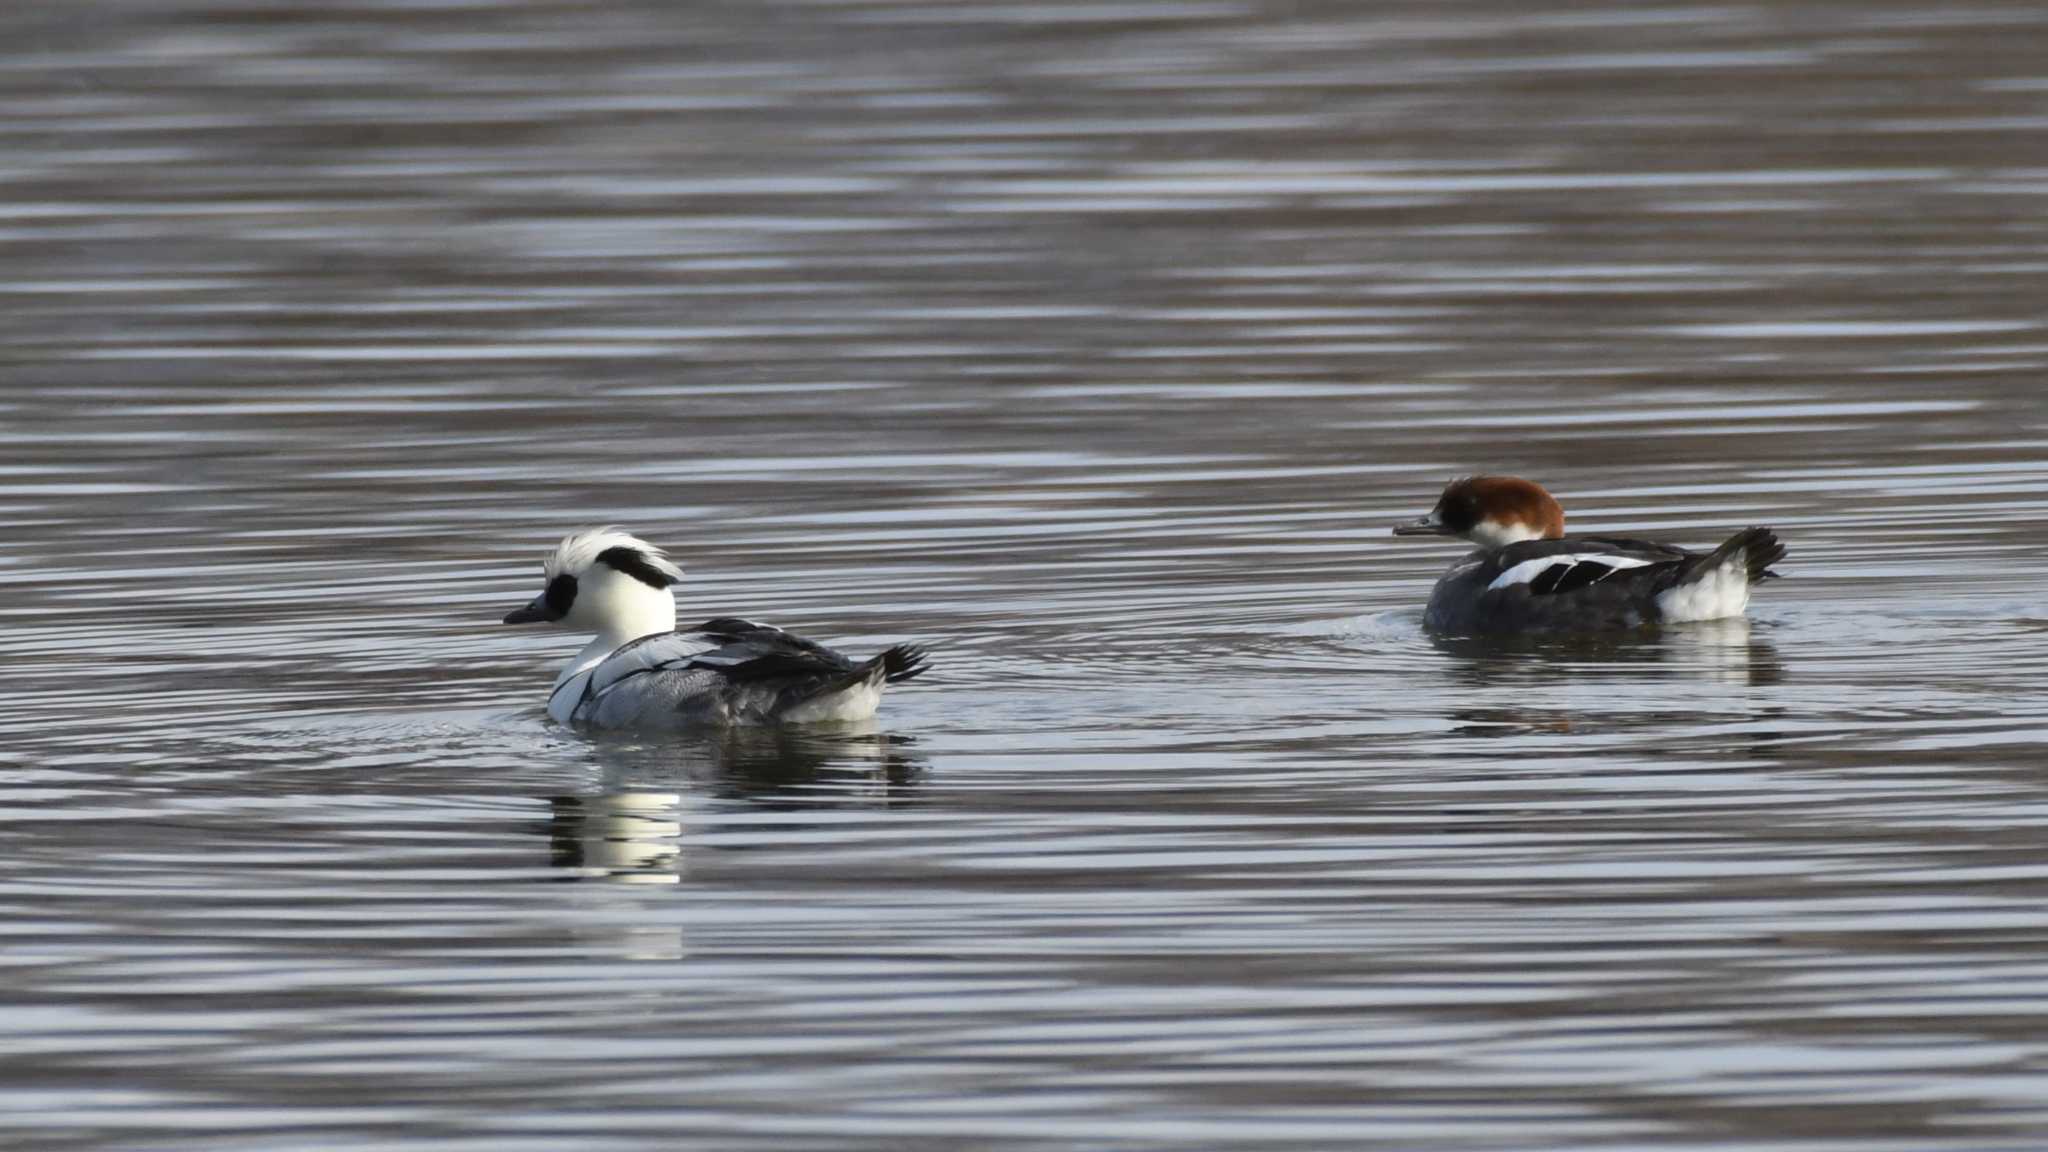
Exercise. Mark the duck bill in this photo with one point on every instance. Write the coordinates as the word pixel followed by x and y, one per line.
pixel 1422 526
pixel 536 611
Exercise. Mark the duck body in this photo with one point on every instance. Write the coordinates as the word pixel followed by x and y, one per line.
pixel 1590 584
pixel 725 671
pixel 641 671
pixel 1527 576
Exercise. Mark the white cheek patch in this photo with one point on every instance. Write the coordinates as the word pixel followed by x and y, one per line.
pixel 1528 570
pixel 1492 534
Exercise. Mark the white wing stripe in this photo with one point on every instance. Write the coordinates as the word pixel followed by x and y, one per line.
pixel 1528 570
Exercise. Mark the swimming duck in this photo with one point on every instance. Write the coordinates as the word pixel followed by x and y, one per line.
pixel 641 671
pixel 1528 576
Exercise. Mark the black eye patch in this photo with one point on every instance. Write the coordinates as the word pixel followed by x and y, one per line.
pixel 635 563
pixel 1458 513
pixel 560 595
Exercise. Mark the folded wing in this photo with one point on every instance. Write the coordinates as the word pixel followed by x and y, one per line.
pixel 730 669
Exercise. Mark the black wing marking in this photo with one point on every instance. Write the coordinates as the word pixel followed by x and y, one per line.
pixel 1617 546
pixel 1561 577
pixel 733 630
pixel 1586 571
pixel 1583 562
pixel 748 651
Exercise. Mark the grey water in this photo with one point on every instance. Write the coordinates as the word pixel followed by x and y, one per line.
pixel 1094 345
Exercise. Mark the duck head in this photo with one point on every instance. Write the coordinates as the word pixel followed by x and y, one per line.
pixel 607 581
pixel 1490 511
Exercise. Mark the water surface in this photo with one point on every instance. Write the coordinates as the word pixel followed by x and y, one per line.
pixel 1094 345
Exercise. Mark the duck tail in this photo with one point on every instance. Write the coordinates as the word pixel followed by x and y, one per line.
pixel 1756 549
pixel 895 665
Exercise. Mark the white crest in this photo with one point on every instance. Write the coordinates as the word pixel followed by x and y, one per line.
pixel 579 550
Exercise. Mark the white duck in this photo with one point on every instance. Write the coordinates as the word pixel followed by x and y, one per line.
pixel 641 672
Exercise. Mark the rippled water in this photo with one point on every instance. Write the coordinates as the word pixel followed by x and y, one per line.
pixel 1094 345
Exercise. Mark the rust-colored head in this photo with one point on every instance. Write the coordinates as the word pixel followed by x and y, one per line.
pixel 1491 511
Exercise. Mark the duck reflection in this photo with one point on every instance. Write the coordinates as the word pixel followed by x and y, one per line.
pixel 628 836
pixel 1710 652
pixel 1717 651
pixel 849 764
pixel 630 827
